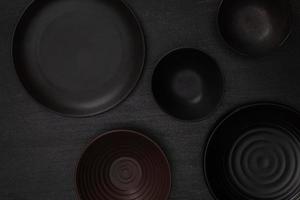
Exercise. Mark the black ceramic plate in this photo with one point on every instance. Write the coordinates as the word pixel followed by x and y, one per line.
pixel 79 57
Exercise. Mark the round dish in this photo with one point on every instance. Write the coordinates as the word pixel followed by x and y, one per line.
pixel 255 27
pixel 187 84
pixel 254 154
pixel 123 165
pixel 79 57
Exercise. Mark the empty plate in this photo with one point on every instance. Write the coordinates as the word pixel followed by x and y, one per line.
pixel 79 57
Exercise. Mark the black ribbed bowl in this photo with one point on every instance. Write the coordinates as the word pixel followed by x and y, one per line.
pixel 123 165
pixel 254 154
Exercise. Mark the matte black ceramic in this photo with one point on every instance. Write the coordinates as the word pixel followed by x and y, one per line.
pixel 255 27
pixel 78 57
pixel 188 84
pixel 254 154
pixel 40 149
pixel 123 165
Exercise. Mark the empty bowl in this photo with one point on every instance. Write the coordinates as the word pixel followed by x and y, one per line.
pixel 254 154
pixel 187 84
pixel 79 57
pixel 255 27
pixel 123 165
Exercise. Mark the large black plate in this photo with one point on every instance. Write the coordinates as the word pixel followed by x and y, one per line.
pixel 79 57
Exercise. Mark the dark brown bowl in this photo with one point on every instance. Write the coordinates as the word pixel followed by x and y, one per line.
pixel 123 165
pixel 188 84
pixel 254 154
pixel 255 27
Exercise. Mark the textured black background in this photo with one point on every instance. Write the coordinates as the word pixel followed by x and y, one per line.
pixel 40 149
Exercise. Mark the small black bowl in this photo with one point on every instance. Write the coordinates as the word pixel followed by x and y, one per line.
pixel 254 154
pixel 123 165
pixel 187 84
pixel 255 27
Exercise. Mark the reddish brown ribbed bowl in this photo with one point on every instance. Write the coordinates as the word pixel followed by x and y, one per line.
pixel 123 165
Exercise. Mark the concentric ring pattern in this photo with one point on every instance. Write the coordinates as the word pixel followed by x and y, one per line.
pixel 264 163
pixel 254 154
pixel 123 165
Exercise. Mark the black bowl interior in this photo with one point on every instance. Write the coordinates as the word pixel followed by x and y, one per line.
pixel 123 165
pixel 187 84
pixel 254 154
pixel 255 27
pixel 77 57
